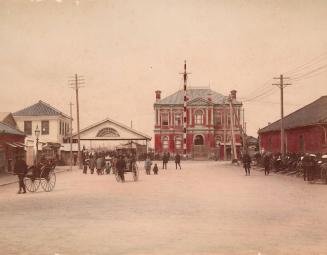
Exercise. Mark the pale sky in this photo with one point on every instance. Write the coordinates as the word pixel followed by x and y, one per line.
pixel 128 49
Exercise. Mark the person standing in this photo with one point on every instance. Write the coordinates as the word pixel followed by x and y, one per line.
pixel 164 161
pixel 307 164
pixel 92 164
pixel 85 166
pixel 121 166
pixel 266 164
pixel 155 169
pixel 247 163
pixel 20 169
pixel 147 165
pixel 178 161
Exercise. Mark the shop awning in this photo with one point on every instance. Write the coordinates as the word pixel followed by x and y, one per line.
pixel 16 145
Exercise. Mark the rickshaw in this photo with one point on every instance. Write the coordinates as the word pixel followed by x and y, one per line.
pixel 322 166
pixel 131 168
pixel 42 175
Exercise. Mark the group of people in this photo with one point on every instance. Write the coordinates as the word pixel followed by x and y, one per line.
pixel 166 157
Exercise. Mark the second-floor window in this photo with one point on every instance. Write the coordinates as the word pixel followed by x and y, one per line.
pixel 217 118
pixel 164 119
pixel 178 119
pixel 45 127
pixel 198 117
pixel 28 127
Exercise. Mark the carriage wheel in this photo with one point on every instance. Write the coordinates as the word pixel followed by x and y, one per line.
pixel 32 184
pixel 49 182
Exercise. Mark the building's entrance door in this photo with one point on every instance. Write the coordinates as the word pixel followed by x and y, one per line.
pixel 200 151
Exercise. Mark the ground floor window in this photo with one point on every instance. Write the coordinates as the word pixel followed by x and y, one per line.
pixel 165 142
pixel 178 142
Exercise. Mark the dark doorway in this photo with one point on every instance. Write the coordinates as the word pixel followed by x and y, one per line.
pixel 198 140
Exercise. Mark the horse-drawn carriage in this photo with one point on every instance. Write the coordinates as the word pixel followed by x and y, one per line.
pixel 41 175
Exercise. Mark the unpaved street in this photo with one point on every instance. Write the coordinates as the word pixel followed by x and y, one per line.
pixel 207 208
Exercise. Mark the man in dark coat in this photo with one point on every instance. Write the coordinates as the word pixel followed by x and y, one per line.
pixel 266 163
pixel 20 169
pixel 121 166
pixel 164 161
pixel 246 163
pixel 307 166
pixel 178 161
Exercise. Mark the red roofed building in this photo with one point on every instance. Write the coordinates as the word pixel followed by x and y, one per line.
pixel 305 130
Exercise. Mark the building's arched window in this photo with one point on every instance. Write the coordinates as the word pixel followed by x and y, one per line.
pixel 107 132
pixel 198 117
pixel 178 142
pixel 165 142
pixel 228 139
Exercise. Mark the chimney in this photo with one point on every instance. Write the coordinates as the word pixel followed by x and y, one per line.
pixel 233 94
pixel 158 95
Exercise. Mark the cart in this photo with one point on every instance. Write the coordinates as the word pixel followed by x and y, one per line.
pixel 133 169
pixel 43 175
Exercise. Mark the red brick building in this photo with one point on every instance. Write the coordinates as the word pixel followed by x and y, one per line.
pixel 208 123
pixel 305 130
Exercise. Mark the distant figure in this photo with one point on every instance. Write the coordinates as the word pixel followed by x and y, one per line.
pixel 307 165
pixel 155 169
pixel 147 165
pixel 121 166
pixel 92 164
pixel 20 169
pixel 75 159
pixel 246 163
pixel 85 166
pixel 178 161
pixel 100 163
pixel 164 161
pixel 266 164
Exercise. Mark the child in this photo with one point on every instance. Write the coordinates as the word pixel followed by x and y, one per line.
pixel 155 169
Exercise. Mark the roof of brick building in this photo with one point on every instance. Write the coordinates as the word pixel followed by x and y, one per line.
pixel 313 113
pixel 192 93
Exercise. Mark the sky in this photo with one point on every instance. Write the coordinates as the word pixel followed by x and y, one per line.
pixel 125 50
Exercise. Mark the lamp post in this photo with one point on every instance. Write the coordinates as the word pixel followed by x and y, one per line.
pixel 37 134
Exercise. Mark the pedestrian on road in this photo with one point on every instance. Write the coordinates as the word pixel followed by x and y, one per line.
pixel 85 166
pixel 155 169
pixel 20 169
pixel 178 161
pixel 75 159
pixel 266 163
pixel 147 165
pixel 92 164
pixel 247 163
pixel 99 163
pixel 307 165
pixel 121 166
pixel 164 161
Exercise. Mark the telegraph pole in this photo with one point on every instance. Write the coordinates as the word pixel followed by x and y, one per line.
pixel 281 85
pixel 76 84
pixel 71 136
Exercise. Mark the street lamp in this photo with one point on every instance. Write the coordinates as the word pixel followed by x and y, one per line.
pixel 37 134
